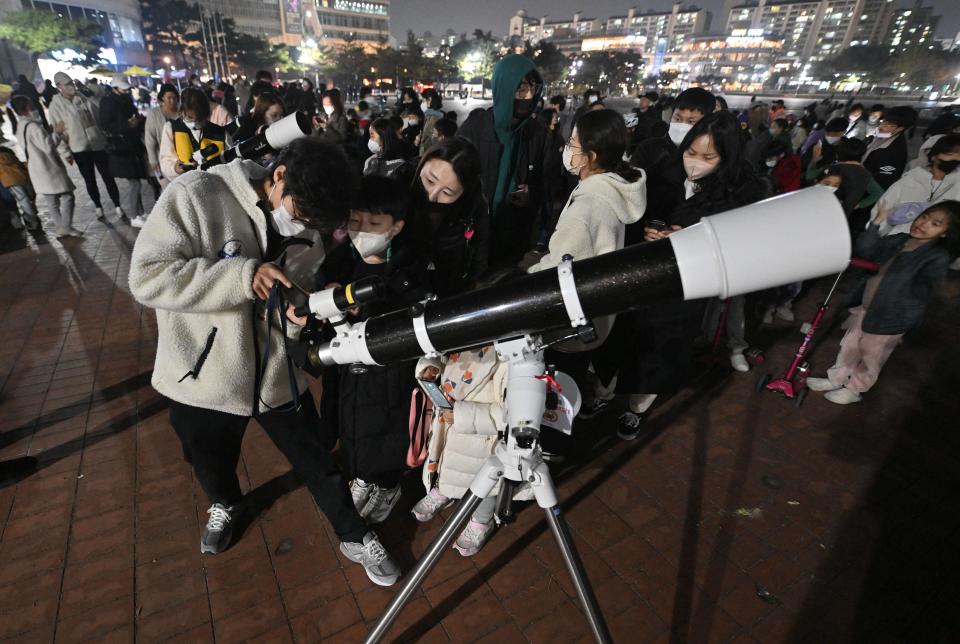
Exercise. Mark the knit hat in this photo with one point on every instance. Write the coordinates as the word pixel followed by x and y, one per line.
pixel 60 78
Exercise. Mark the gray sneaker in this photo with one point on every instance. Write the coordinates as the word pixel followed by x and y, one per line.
pixel 371 554
pixel 380 504
pixel 217 532
pixel 360 493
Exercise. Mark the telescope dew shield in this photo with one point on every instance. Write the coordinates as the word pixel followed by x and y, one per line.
pixel 789 238
pixel 331 302
pixel 774 242
pixel 270 139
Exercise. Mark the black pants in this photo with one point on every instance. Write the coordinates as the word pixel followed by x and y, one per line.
pixel 211 443
pixel 85 164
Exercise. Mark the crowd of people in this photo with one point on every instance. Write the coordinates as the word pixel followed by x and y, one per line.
pixel 433 206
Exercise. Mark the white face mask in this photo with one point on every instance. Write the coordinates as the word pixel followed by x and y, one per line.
pixel 771 163
pixel 283 221
pixel 373 146
pixel 883 135
pixel 593 99
pixel 832 140
pixel 832 188
pixel 411 122
pixel 678 131
pixel 873 120
pixel 190 124
pixel 697 169
pixel 369 244
pixel 568 160
pixel 328 109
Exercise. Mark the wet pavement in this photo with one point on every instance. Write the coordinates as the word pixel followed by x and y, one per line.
pixel 734 517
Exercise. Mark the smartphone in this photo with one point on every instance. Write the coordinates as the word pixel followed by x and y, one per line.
pixel 657 224
pixel 433 390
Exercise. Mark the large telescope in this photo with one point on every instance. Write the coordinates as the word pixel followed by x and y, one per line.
pixel 272 138
pixel 778 241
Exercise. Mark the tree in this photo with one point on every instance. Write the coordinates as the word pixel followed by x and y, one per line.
pixel 171 28
pixel 40 32
pixel 919 67
pixel 550 62
pixel 870 61
pixel 352 63
pixel 611 69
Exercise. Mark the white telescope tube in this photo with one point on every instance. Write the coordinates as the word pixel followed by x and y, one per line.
pixel 789 238
pixel 284 132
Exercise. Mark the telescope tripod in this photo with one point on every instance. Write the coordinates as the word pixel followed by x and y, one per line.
pixel 517 459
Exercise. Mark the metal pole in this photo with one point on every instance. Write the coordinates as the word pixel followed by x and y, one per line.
pixel 223 35
pixel 206 47
pixel 561 533
pixel 451 529
pixel 215 42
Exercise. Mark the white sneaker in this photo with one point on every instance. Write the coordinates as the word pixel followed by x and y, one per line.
pixel 138 221
pixel 218 531
pixel 821 384
pixel 73 232
pixel 430 505
pixel 381 502
pixel 473 537
pixel 739 362
pixel 843 396
pixel 768 316
pixel 63 233
pixel 100 214
pixel 371 554
pixel 640 403
pixel 360 492
pixel 785 312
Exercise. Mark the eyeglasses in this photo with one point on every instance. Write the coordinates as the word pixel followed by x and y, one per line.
pixel 526 90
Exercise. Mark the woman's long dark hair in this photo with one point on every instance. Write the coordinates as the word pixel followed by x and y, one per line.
pixel 724 130
pixel 464 158
pixel 263 103
pixel 335 98
pixel 604 133
pixel 390 145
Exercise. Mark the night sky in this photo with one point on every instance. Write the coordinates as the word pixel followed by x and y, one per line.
pixel 494 15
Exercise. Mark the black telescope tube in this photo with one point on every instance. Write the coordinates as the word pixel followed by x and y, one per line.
pixel 606 284
pixel 255 146
pixel 359 293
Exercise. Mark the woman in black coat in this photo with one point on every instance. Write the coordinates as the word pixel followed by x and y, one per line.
pixel 374 402
pixel 121 121
pixel 447 197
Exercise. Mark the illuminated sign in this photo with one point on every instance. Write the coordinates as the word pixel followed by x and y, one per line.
pixel 633 41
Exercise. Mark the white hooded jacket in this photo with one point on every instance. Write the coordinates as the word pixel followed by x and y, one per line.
pixel 79 118
pixel 916 185
pixel 194 262
pixel 594 220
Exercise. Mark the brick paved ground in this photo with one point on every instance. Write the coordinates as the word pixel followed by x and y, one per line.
pixel 849 527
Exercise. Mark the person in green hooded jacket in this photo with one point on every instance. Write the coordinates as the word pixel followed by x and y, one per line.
pixel 511 142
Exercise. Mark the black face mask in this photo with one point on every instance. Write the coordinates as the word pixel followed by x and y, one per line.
pixel 947 167
pixel 522 107
pixel 424 205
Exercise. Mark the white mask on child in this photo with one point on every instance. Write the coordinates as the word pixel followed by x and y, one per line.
pixel 328 109
pixel 832 140
pixel 678 131
pixel 369 244
pixel 283 221
pixel 373 146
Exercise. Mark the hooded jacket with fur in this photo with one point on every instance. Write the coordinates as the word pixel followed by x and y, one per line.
pixel 194 262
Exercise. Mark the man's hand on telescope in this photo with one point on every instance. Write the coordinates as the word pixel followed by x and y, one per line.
pixel 652 234
pixel 299 321
pixel 265 277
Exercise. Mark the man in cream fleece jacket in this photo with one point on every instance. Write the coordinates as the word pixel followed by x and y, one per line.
pixel 215 243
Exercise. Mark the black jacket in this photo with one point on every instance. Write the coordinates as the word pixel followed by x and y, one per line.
pixel 479 130
pixel 887 164
pixel 907 287
pixel 459 246
pixel 127 154
pixel 374 403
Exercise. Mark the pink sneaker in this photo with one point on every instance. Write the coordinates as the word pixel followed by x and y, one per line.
pixel 473 537
pixel 428 507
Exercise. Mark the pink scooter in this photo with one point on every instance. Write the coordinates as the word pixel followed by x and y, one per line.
pixel 793 384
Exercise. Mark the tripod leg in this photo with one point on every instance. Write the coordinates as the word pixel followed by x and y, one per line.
pixel 558 526
pixel 481 486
